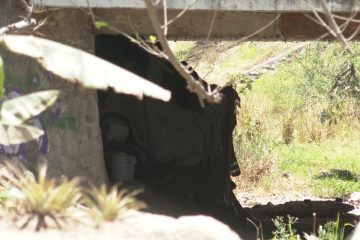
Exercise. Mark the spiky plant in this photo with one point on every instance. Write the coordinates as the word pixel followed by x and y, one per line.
pixel 38 197
pixel 113 204
pixel 3 195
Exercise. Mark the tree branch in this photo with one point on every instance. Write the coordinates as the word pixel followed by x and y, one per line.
pixel 28 24
pixel 19 27
pixel 333 25
pixel 179 15
pixel 193 85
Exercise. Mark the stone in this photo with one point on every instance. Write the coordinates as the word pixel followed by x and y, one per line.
pixel 138 226
pixel 355 196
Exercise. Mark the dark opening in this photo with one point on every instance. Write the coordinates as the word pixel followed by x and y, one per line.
pixel 181 153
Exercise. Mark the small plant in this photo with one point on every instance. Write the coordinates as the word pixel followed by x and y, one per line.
pixel 3 195
pixel 288 129
pixel 330 231
pixel 110 205
pixel 285 231
pixel 241 82
pixel 39 197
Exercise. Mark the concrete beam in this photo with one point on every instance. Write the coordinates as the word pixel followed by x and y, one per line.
pixel 230 25
pixel 234 18
pixel 222 5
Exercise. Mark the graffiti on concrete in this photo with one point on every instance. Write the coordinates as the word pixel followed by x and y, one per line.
pixel 52 118
pixel 21 149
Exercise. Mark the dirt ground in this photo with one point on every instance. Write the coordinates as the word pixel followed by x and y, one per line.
pixel 266 208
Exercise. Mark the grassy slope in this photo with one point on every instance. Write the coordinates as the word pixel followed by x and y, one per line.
pixel 322 160
pixel 330 168
pixel 214 61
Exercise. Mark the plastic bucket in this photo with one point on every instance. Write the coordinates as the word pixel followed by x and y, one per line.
pixel 120 166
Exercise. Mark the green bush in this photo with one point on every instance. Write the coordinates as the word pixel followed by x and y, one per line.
pixel 292 122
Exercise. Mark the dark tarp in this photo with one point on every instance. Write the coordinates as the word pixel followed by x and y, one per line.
pixel 179 145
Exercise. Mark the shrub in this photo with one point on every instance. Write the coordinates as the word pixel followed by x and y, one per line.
pixel 253 142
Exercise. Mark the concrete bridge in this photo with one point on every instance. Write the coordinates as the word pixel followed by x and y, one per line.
pixel 234 19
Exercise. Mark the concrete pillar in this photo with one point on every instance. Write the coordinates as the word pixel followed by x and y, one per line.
pixel 72 143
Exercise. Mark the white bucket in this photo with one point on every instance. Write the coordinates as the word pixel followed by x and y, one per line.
pixel 120 166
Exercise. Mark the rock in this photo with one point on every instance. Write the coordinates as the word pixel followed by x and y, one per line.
pixel 189 227
pixel 138 226
pixel 356 234
pixel 355 196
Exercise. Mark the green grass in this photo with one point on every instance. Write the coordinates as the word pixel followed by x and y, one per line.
pixel 183 49
pixel 215 61
pixel 280 141
pixel 330 168
pixel 321 159
pixel 250 53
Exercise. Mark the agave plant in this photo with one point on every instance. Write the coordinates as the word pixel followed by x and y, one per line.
pixel 38 198
pixel 113 204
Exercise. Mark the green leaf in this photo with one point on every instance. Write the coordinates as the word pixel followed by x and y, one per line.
pixel 101 24
pixel 10 134
pixel 152 39
pixel 80 67
pixel 18 110
pixel 2 78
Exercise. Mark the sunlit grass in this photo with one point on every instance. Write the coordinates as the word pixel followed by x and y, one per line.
pixel 330 168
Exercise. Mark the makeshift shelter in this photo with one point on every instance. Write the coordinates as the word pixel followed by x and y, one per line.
pixel 179 147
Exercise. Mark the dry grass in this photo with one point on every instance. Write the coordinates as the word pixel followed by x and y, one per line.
pixel 252 141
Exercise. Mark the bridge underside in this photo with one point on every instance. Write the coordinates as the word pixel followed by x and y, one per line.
pixel 233 25
pixel 233 19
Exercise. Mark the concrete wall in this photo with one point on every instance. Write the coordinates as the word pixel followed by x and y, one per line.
pixel 234 19
pixel 222 5
pixel 72 143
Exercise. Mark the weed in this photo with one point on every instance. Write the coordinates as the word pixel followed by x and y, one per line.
pixel 253 146
pixel 288 129
pixel 285 231
pixel 332 230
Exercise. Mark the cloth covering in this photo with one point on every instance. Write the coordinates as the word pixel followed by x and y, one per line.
pixel 191 144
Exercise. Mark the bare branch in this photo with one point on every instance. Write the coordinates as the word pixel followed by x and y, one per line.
pixel 319 20
pixel 211 25
pixel 261 29
pixel 28 24
pixel 180 14
pixel 193 85
pixel 354 33
pixel 333 25
pixel 139 41
pixel 165 18
pixel 346 18
pixel 19 27
pixel 316 21
pixel 40 24
pixel 256 32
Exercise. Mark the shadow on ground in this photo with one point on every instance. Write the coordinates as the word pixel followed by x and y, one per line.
pixel 310 215
pixel 341 174
pixel 172 205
